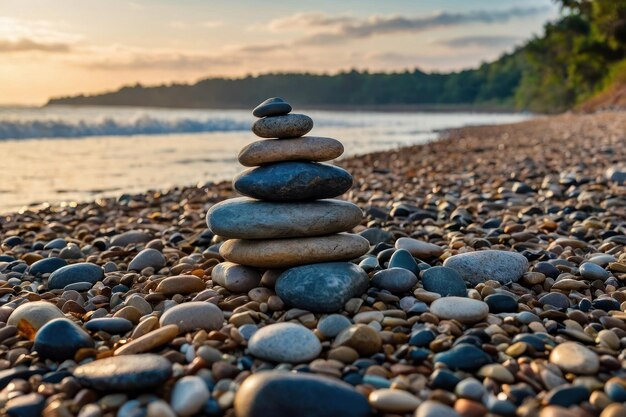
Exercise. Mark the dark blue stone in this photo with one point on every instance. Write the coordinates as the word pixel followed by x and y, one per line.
pixel 120 288
pixel 323 287
pixel 418 355
pixel 28 405
pixel 60 339
pixel 567 395
pixel 274 106
pixel 536 342
pixel 444 379
pixel 395 280
pixel 464 357
pixel 291 181
pixel 125 373
pixel 501 303
pixel 353 378
pixel 46 266
pixel 112 325
pixel 468 340
pixel 282 394
pixel 501 407
pixel 555 299
pixel 70 274
pixel 12 241
pixel 402 258
pixel 547 269
pixel 418 308
pixel 606 304
pixel 56 377
pixel 18 372
pixel 6 258
pixel 58 243
pixel 444 281
pixel 584 305
pixel 616 390
pixel 421 338
pixel 492 223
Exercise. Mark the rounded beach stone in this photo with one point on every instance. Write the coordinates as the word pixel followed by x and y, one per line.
pixel 70 274
pixel 418 248
pixel 444 281
pixel 274 106
pixel 501 303
pixel 464 357
pixel 575 358
pixel 393 401
pixel 592 271
pixel 235 277
pixel 34 314
pixel 480 266
pixel 112 325
pixel 331 325
pixel 131 237
pixel 360 337
pixel 285 253
pixel 286 126
pixel 306 148
pixel 283 394
pixel 128 372
pixel 25 405
pixel 247 218
pixel 435 409
pixel 59 340
pixel 189 395
pixel 395 280
pixel 194 315
pixel 46 266
pixel 321 288
pixel 293 181
pixel 147 258
pixel 181 284
pixel 284 342
pixel 465 310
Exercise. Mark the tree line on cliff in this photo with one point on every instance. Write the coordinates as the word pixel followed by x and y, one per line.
pixel 579 55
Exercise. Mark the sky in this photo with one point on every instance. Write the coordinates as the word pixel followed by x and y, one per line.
pixel 66 47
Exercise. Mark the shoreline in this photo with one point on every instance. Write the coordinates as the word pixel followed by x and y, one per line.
pixel 536 326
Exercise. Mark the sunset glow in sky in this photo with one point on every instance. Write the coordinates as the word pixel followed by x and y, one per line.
pixel 65 47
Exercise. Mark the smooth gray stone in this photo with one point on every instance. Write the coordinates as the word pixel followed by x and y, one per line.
pixel 395 280
pixel 282 127
pixel 112 325
pixel 321 288
pixel 293 181
pixel 592 271
pixel 274 106
pixel 306 148
pixel 284 394
pixel 246 218
pixel 130 237
pixel 480 266
pixel 147 258
pixel 444 281
pixel 285 342
pixel 125 372
pixel 70 274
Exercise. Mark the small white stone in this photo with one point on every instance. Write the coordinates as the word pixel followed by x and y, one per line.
pixel 189 395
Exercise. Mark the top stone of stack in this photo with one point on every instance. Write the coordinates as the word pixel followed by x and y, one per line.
pixel 277 122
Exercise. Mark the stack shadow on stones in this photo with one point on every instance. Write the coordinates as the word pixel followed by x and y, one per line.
pixel 288 220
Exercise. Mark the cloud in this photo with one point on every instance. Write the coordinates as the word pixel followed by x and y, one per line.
pixel 158 60
pixel 325 29
pixel 481 41
pixel 26 45
pixel 212 24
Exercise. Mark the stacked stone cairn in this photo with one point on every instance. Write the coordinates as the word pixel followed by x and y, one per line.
pixel 289 225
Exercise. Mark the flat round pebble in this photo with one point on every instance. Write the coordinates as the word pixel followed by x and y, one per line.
pixel 128 372
pixel 194 315
pixel 393 401
pixel 465 310
pixel 286 126
pixel 576 358
pixel 112 325
pixel 80 272
pixel 274 106
pixel 591 271
pixel 395 280
pixel 189 395
pixel 306 148
pixel 284 342
pixel 480 266
pixel 181 284
pixel 235 278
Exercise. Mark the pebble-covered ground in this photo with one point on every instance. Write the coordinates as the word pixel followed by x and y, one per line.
pixel 450 324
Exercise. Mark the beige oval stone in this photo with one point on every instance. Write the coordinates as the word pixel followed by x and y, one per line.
pixel 393 401
pixel 360 337
pixel 181 284
pixel 575 358
pixel 147 342
pixel 35 314
pixel 306 148
pixel 194 315
pixel 285 253
pixel 235 277
pixel 418 248
pixel 465 310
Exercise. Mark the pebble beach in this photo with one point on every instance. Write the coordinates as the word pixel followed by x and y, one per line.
pixel 485 277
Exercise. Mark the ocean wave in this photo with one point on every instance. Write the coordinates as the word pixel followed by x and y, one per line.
pixel 146 125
